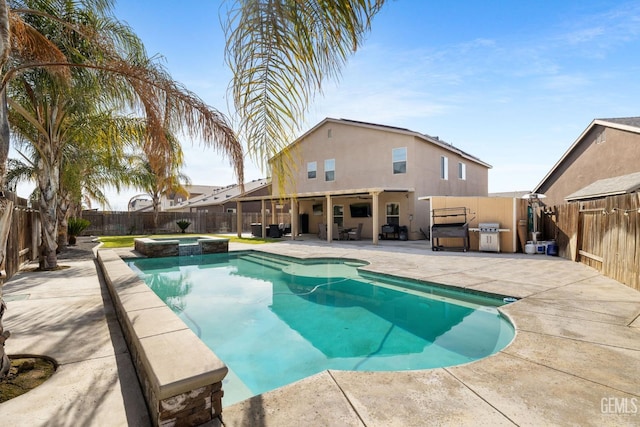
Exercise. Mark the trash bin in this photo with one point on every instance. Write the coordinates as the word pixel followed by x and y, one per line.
pixel 256 229
pixel 404 232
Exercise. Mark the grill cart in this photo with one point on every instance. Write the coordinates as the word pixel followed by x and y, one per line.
pixel 450 223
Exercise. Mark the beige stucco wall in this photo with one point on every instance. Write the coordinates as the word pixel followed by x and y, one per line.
pixel 503 210
pixel 363 160
pixel 590 161
pixel 405 200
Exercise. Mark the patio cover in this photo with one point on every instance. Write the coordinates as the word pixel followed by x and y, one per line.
pixel 374 192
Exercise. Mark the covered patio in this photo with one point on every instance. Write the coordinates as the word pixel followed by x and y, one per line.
pixel 328 207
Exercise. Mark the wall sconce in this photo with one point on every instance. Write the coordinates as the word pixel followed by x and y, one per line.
pixel 410 217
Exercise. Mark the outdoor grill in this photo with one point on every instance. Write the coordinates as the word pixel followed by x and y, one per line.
pixel 444 227
pixel 489 236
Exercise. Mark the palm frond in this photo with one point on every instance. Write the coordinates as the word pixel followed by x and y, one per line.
pixel 281 52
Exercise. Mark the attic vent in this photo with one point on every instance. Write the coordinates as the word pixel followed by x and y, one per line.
pixel 329 133
pixel 601 138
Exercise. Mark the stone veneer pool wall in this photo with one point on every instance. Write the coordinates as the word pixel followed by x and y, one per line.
pixel 181 377
pixel 155 248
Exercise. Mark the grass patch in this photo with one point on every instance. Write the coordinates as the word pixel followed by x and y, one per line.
pixel 127 241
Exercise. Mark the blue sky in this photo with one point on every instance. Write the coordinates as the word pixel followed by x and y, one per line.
pixel 511 82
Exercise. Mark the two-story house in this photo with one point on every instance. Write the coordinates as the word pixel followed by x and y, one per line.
pixel 349 172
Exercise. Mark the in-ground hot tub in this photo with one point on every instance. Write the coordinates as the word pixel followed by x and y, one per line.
pixel 180 246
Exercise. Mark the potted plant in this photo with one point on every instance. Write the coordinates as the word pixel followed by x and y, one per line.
pixel 183 224
pixel 75 226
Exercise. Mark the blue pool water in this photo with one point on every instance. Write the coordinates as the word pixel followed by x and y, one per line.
pixel 275 320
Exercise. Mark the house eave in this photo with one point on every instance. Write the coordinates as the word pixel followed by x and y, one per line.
pixel 332 193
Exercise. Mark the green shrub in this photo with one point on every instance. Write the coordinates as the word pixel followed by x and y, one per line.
pixel 75 226
pixel 183 224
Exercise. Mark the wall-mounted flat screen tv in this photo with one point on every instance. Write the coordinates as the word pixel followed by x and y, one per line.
pixel 360 210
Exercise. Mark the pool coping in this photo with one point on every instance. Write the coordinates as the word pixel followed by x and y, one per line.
pixel 577 335
pixel 181 377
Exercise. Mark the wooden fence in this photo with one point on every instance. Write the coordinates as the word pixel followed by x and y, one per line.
pixel 22 244
pixel 603 234
pixel 126 223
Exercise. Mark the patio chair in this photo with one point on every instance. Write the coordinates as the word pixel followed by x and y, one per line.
pixel 335 233
pixel 322 231
pixel 355 234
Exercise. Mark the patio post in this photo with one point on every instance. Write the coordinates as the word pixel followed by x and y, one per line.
pixel 376 217
pixel 294 218
pixel 239 218
pixel 329 219
pixel 263 218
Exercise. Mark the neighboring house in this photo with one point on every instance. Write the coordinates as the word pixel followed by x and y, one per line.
pixel 224 199
pixel 349 172
pixel 608 148
pixel 143 203
pixel 194 191
pixel 140 203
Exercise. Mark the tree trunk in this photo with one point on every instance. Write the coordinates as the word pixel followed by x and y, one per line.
pixel 156 211
pixel 63 217
pixel 5 48
pixel 5 363
pixel 48 181
pixel 6 206
pixel 6 215
pixel 4 139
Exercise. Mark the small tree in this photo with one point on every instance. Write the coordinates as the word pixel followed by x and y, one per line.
pixel 75 226
pixel 183 224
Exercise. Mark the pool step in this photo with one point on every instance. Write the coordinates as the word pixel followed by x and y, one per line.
pixel 265 261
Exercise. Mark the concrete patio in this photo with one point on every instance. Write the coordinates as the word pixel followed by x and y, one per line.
pixel 575 359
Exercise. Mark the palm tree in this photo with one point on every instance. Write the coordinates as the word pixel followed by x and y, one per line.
pixel 159 178
pixel 128 81
pixel 281 52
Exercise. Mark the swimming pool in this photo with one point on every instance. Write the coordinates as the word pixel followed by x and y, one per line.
pixel 274 320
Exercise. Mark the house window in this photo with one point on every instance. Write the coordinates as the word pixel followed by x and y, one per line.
pixel 312 167
pixel 393 213
pixel 338 215
pixel 444 167
pixel 231 210
pixel 399 156
pixel 462 171
pixel 330 170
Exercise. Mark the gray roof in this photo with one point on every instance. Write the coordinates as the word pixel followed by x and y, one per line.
pixel 608 187
pixel 629 121
pixel 511 194
pixel 221 195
